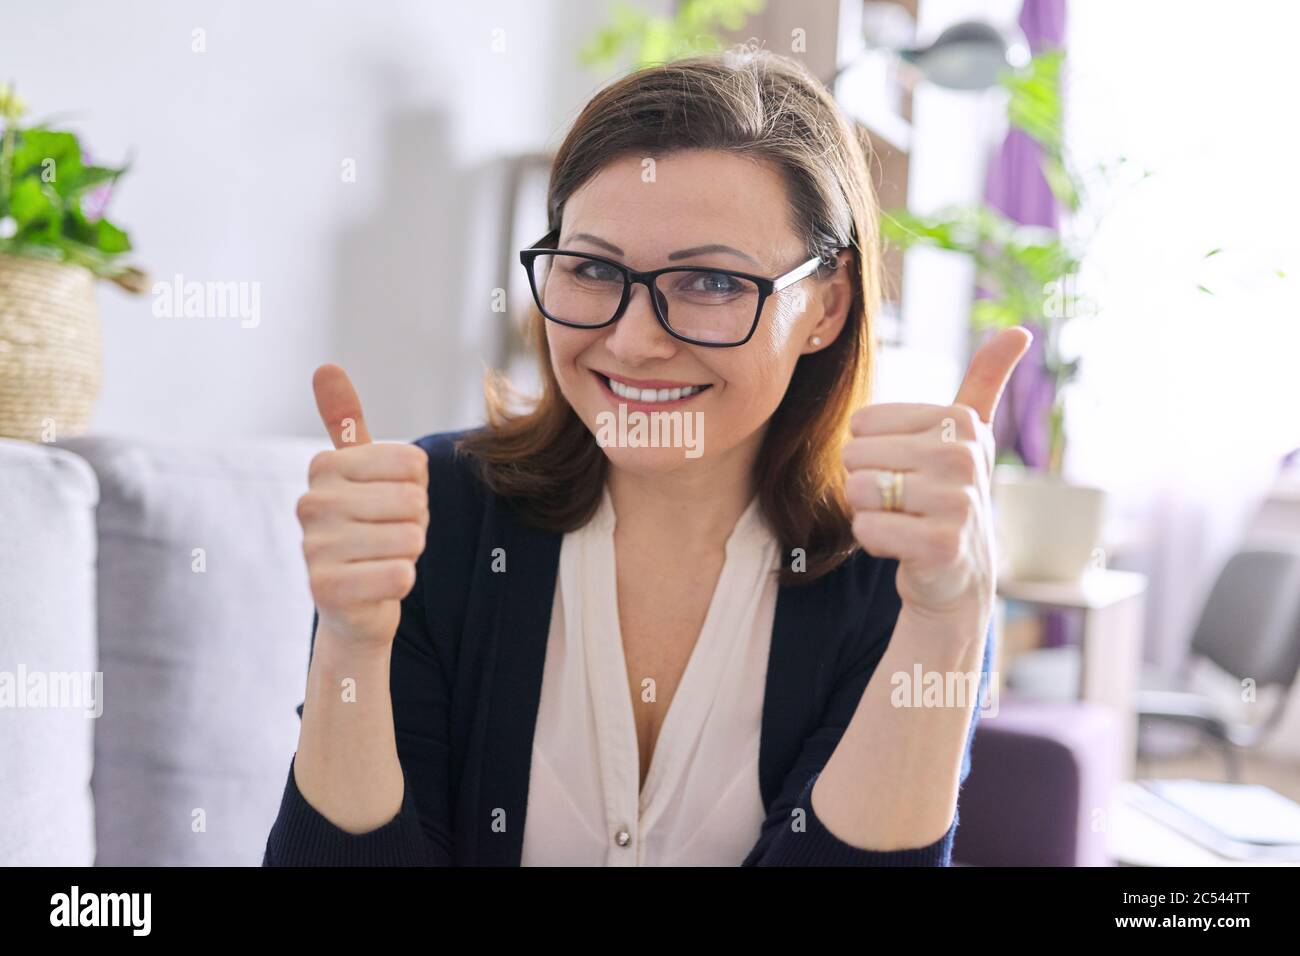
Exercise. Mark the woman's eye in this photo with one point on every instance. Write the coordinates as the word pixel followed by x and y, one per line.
pixel 598 272
pixel 711 283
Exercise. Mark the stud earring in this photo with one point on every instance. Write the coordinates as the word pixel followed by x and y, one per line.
pixel 816 340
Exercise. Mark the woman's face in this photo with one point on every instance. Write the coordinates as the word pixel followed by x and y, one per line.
pixel 734 213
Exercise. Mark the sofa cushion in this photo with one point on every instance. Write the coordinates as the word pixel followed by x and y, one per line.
pixel 204 625
pixel 47 640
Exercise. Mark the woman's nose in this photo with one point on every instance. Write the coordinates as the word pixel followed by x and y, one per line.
pixel 637 336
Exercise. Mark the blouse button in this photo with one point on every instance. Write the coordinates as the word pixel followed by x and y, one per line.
pixel 623 837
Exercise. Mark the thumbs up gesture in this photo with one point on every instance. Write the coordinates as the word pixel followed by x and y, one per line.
pixel 364 519
pixel 919 478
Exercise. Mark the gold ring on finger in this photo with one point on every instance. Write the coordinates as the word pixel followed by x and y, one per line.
pixel 890 484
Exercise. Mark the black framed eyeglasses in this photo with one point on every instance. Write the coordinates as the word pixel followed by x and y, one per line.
pixel 716 308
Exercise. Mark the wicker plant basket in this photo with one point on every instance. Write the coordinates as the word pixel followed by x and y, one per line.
pixel 50 359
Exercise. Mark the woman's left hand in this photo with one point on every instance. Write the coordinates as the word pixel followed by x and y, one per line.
pixel 941 530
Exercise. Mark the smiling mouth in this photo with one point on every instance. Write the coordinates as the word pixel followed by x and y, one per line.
pixel 649 396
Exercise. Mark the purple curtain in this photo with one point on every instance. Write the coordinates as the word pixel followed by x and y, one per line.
pixel 1016 186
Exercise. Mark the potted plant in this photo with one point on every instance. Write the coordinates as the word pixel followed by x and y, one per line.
pixel 1050 527
pixel 54 243
pixel 694 26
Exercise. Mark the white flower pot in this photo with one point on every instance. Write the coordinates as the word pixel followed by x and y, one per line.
pixel 1048 529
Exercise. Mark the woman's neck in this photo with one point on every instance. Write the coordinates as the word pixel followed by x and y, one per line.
pixel 693 508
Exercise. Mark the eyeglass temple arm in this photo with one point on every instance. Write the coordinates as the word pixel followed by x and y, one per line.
pixel 799 272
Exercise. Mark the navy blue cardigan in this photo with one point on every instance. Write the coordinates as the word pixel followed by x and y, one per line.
pixel 467 678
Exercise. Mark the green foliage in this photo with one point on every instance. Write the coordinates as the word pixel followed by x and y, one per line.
pixel 1034 107
pixel 695 27
pixel 1026 274
pixel 45 188
pixel 1019 267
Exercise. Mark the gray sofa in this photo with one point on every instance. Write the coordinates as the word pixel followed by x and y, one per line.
pixel 177 572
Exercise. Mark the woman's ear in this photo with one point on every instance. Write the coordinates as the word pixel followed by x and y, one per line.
pixel 831 303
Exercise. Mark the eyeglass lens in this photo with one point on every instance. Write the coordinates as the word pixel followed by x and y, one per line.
pixel 703 306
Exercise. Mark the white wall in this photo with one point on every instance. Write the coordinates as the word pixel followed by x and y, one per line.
pixel 237 176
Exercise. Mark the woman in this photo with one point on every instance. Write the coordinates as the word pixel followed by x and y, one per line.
pixel 547 641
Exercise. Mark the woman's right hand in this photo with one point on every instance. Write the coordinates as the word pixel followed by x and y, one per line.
pixel 364 519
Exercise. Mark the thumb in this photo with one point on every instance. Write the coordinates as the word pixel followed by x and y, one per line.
pixel 339 406
pixel 990 369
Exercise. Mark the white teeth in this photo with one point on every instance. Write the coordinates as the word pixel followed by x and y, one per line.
pixel 651 394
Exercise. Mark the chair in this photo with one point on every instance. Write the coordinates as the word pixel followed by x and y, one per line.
pixel 1042 777
pixel 1250 629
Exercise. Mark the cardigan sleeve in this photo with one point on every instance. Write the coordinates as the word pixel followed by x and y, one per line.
pixel 301 836
pixel 793 834
pixel 420 833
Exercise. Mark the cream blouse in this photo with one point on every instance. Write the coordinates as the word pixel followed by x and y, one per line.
pixel 701 805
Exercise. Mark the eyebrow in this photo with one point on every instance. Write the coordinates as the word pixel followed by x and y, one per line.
pixel 672 256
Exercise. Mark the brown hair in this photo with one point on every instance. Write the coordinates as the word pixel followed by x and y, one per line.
pixel 757 103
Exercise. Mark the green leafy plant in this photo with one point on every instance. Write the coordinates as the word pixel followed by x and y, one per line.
pixel 52 200
pixel 694 27
pixel 1025 273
